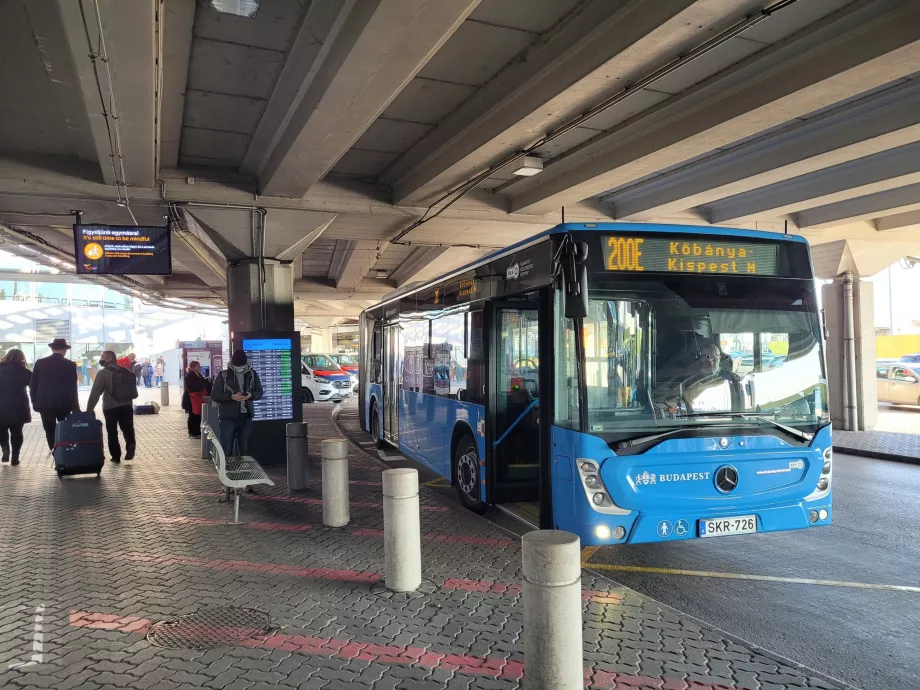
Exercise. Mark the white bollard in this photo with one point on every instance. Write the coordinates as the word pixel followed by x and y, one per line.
pixel 401 530
pixel 164 394
pixel 553 654
pixel 336 511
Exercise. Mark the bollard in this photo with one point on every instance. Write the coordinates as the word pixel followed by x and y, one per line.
pixel 402 542
pixel 164 394
pixel 336 511
pixel 553 654
pixel 298 473
pixel 206 415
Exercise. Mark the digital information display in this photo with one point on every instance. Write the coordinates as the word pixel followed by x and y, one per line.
pixel 122 250
pixel 665 255
pixel 271 359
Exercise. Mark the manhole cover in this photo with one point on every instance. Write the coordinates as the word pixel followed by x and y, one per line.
pixel 216 626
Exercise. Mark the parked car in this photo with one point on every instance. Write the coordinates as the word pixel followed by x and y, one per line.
pixel 913 359
pixel 346 362
pixel 898 383
pixel 323 380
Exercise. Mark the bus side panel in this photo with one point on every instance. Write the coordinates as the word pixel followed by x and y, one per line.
pixel 372 391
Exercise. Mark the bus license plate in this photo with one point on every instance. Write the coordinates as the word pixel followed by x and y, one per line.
pixel 722 527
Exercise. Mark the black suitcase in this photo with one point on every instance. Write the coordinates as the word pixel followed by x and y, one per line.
pixel 78 445
pixel 149 408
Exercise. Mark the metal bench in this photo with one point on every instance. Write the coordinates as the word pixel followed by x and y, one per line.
pixel 236 473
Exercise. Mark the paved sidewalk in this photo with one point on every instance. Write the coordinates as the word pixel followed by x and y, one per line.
pixel 882 445
pixel 88 564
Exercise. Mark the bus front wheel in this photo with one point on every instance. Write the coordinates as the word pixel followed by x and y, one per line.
pixel 466 474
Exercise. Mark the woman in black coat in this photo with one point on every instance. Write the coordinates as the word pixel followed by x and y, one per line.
pixel 15 411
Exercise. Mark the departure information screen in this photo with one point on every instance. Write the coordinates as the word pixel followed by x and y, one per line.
pixel 271 359
pixel 122 250
pixel 694 255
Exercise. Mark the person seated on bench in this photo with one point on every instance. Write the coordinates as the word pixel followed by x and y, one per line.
pixel 234 391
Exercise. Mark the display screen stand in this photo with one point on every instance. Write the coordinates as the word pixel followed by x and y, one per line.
pixel 275 357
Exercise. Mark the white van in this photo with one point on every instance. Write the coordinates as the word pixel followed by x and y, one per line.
pixel 323 380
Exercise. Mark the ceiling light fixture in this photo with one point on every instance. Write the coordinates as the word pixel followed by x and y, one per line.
pixel 530 166
pixel 381 274
pixel 247 9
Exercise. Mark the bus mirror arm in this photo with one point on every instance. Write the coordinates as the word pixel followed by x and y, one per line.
pixel 824 330
pixel 575 279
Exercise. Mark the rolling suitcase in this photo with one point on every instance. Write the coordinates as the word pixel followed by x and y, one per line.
pixel 149 408
pixel 78 445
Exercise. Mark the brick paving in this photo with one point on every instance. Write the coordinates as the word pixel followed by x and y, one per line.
pixel 87 565
pixel 896 436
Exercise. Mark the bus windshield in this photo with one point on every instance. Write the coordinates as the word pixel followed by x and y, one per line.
pixel 663 353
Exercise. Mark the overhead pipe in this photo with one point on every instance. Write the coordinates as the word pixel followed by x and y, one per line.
pixel 850 416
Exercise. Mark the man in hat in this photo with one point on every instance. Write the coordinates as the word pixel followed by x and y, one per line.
pixel 54 388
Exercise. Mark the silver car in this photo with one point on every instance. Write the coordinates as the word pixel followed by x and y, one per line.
pixel 898 383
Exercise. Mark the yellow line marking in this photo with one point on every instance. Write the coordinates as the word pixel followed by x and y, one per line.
pixel 739 576
pixel 440 482
pixel 586 554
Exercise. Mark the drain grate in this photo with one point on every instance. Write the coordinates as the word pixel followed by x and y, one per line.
pixel 216 626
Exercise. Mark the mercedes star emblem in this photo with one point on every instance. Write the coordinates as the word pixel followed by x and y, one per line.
pixel 726 479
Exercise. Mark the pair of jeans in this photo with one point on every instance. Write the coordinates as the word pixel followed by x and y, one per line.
pixel 11 433
pixel 123 417
pixel 194 424
pixel 238 430
pixel 159 380
pixel 147 382
pixel 49 422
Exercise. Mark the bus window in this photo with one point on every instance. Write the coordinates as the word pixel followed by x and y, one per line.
pixel 447 353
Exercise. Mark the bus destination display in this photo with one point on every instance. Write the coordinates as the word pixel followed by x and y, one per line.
pixel 271 359
pixel 122 250
pixel 665 255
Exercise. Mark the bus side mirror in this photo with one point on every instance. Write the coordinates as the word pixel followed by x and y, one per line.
pixel 575 281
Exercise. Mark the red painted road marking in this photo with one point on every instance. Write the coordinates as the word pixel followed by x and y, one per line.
pixel 450 539
pixel 493 667
pixel 515 589
pixel 302 499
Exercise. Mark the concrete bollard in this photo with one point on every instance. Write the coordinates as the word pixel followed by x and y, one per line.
pixel 207 412
pixel 336 511
pixel 298 472
pixel 401 530
pixel 164 394
pixel 553 654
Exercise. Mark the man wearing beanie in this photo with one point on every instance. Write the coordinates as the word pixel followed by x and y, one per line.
pixel 235 390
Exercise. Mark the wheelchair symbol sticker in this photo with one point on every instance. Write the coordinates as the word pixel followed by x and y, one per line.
pixel 681 528
pixel 665 529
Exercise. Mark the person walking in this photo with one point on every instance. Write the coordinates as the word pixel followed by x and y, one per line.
pixel 117 406
pixel 138 370
pixel 235 390
pixel 159 370
pixel 53 388
pixel 128 361
pixel 148 374
pixel 14 403
pixel 196 387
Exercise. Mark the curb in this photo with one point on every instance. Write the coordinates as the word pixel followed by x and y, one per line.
pixel 878 455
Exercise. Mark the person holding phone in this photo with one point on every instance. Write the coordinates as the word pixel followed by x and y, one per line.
pixel 235 390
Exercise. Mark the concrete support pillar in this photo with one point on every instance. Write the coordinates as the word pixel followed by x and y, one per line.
pixel 402 541
pixel 298 472
pixel 245 291
pixel 862 365
pixel 336 510
pixel 553 654
pixel 164 393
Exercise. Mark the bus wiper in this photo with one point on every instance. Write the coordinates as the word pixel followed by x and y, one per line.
pixel 792 431
pixel 639 440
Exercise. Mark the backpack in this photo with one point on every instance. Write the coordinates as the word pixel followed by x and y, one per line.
pixel 124 385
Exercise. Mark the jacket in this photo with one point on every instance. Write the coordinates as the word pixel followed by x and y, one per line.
pixel 14 401
pixel 225 386
pixel 125 362
pixel 103 386
pixel 54 385
pixel 196 386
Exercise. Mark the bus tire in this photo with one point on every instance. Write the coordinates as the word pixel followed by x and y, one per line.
pixel 307 396
pixel 375 426
pixel 466 473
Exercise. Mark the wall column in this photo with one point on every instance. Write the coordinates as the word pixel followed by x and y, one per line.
pixel 244 286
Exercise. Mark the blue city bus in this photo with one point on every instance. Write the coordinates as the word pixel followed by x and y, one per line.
pixel 626 382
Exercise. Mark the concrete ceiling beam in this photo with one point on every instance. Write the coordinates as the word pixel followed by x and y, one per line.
pixel 862 46
pixel 176 22
pixel 352 260
pixel 879 122
pixel 599 44
pixel 860 177
pixel 872 206
pixel 415 263
pixel 898 221
pixel 371 289
pixel 373 49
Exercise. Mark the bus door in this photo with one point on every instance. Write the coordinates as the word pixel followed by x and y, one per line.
pixel 392 382
pixel 514 406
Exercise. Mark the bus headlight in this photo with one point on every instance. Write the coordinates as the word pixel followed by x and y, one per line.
pixel 599 498
pixel 592 482
pixel 602 532
pixel 619 533
pixel 828 455
pixel 595 491
pixel 822 484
